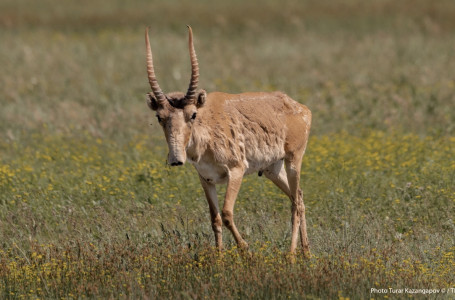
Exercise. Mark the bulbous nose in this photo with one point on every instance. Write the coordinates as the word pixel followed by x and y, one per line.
pixel 177 163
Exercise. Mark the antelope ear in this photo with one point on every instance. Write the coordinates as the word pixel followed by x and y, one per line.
pixel 151 101
pixel 200 96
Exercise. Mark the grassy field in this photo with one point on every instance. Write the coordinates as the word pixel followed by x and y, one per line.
pixel 89 209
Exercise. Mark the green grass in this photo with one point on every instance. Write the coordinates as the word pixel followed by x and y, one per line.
pixel 88 207
pixel 85 216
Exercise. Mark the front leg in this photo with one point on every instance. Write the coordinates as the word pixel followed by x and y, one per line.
pixel 233 187
pixel 212 199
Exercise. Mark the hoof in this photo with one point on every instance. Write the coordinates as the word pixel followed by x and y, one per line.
pixel 243 245
pixel 306 252
pixel 292 258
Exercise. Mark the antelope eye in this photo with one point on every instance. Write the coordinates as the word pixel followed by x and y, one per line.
pixel 159 119
pixel 193 116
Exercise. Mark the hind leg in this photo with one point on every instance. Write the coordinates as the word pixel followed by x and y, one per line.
pixel 293 165
pixel 279 176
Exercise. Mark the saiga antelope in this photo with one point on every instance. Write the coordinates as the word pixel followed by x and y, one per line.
pixel 226 136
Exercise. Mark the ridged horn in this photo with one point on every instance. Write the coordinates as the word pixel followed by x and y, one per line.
pixel 151 72
pixel 190 94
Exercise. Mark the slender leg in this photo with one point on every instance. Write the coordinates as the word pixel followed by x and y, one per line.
pixel 277 174
pixel 303 231
pixel 298 208
pixel 212 199
pixel 233 187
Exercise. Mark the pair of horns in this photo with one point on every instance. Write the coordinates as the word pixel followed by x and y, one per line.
pixel 190 94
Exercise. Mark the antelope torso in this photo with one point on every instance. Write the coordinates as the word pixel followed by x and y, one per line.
pixel 248 130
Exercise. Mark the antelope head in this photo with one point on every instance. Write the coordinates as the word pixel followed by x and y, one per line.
pixel 176 112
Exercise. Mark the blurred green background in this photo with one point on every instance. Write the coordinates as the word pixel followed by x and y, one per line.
pixel 358 65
